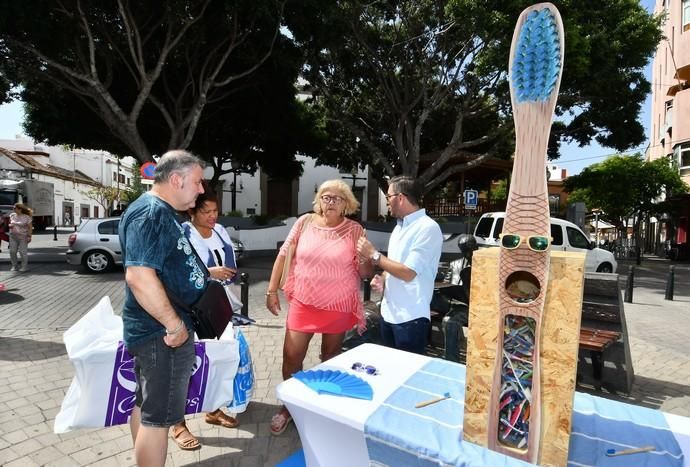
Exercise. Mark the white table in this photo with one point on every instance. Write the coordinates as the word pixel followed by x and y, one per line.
pixel 332 428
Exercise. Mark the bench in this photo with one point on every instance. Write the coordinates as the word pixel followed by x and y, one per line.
pixel 604 336
pixel 597 341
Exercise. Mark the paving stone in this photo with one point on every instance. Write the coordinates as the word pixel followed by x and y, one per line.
pixel 26 447
pixel 7 455
pixel 15 437
pixel 23 462
pixel 45 455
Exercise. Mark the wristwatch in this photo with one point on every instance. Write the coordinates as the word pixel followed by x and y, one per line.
pixel 376 257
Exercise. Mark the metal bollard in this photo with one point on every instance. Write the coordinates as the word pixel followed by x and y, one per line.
pixel 366 287
pixel 244 293
pixel 669 282
pixel 629 285
pixel 55 233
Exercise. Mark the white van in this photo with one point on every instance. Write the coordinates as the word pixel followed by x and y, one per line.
pixel 566 237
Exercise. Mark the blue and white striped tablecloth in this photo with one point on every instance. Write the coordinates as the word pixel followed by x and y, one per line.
pixel 398 434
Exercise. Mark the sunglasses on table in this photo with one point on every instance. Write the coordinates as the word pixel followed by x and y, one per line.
pixel 368 369
pixel 534 242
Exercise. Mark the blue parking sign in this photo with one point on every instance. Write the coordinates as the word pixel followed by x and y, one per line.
pixel 471 198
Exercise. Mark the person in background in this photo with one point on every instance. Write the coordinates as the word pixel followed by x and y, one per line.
pixel 213 245
pixel 407 284
pixel 322 287
pixel 157 256
pixel 20 236
pixel 4 229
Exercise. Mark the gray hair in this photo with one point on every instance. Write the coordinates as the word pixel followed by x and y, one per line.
pixel 175 161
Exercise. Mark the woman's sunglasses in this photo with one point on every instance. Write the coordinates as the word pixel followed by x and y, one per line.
pixel 534 242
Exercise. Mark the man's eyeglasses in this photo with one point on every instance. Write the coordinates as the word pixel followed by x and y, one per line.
pixel 332 199
pixel 368 369
pixel 388 197
pixel 534 242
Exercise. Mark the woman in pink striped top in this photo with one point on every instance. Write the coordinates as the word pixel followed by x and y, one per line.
pixel 322 288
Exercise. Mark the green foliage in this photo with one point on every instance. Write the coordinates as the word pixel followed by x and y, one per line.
pixel 235 213
pixel 626 187
pixel 139 78
pixel 421 83
pixel 260 219
pixel 499 192
pixel 137 189
pixel 103 195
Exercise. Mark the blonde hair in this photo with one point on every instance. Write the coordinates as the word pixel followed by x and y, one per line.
pixel 351 203
pixel 24 209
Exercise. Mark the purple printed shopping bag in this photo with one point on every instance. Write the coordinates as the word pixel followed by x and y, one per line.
pixel 123 384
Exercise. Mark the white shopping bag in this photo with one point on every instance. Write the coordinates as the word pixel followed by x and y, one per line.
pixel 102 390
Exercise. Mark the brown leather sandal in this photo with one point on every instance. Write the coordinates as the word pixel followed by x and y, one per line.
pixel 280 421
pixel 184 438
pixel 218 417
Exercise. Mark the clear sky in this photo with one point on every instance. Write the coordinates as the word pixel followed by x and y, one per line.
pixel 573 158
pixel 11 117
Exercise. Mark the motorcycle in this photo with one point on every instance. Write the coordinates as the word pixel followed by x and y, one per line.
pixel 452 300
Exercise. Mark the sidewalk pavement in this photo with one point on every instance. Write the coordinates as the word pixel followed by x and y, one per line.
pixel 46 247
pixel 40 305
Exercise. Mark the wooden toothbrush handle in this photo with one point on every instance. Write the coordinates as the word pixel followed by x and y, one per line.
pixel 419 405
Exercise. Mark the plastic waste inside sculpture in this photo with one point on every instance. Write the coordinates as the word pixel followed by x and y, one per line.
pixel 536 63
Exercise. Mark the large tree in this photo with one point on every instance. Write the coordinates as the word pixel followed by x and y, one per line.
pixel 627 188
pixel 258 123
pixel 145 70
pixel 410 80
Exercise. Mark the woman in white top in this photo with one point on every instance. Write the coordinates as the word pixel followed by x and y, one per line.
pixel 213 244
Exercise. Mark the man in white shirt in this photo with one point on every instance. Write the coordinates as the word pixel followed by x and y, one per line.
pixel 414 250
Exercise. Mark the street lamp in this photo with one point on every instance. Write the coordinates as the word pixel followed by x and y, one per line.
pixel 236 169
pixel 596 225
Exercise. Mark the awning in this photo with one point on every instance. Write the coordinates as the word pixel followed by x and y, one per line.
pixel 603 225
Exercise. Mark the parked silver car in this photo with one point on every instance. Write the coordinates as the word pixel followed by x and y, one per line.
pixel 96 245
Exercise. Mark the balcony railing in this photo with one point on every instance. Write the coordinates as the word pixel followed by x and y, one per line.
pixel 441 207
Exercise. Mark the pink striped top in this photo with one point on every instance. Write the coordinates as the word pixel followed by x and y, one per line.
pixel 325 268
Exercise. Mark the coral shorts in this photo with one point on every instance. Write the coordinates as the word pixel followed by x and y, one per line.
pixel 306 318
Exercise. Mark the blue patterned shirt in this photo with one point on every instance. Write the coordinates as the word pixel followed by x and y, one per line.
pixel 151 236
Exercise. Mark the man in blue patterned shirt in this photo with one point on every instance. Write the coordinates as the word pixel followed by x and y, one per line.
pixel 157 255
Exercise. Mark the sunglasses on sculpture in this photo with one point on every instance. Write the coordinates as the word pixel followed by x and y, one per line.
pixel 534 242
pixel 368 369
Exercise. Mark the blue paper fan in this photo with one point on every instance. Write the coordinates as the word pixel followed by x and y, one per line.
pixel 337 383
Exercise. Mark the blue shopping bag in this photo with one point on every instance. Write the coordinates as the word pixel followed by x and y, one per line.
pixel 243 385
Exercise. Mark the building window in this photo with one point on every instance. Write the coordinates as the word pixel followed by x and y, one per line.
pixel 683 156
pixel 554 204
pixel 685 15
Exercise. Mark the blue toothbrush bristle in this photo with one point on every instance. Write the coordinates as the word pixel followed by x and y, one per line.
pixel 537 61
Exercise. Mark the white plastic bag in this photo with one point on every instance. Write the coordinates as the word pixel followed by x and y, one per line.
pixel 102 390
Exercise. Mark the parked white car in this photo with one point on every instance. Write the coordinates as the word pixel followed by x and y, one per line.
pixel 566 237
pixel 96 245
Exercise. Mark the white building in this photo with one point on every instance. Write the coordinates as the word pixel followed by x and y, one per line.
pixel 72 173
pixel 255 194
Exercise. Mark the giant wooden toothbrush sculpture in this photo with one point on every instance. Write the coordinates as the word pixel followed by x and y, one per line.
pixel 536 63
